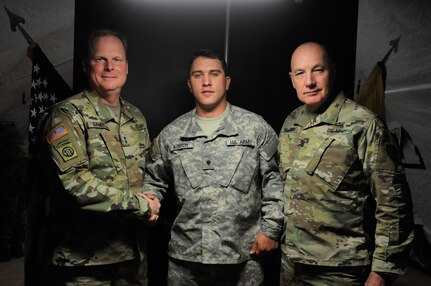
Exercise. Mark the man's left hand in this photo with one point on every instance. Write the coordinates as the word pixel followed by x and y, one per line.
pixel 374 279
pixel 263 244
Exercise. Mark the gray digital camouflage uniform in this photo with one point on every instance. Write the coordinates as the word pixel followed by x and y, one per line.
pixel 95 217
pixel 335 169
pixel 227 186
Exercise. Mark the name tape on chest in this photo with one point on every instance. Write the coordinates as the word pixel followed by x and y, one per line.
pixel 182 145
pixel 97 124
pixel 337 130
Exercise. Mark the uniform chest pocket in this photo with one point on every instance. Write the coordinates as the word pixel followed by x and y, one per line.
pixel 186 167
pixel 240 167
pixel 103 149
pixel 331 162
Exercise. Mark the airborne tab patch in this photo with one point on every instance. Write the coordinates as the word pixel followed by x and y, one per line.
pixel 56 133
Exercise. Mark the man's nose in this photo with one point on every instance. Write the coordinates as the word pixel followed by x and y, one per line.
pixel 206 80
pixel 109 66
pixel 310 81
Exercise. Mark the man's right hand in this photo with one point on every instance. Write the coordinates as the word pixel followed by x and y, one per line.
pixel 154 204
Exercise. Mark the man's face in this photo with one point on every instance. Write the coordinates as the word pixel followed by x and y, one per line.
pixel 311 75
pixel 108 66
pixel 209 84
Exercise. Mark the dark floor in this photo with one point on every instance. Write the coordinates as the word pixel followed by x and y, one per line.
pixel 12 274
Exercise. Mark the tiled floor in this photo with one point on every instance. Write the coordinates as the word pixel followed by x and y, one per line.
pixel 12 274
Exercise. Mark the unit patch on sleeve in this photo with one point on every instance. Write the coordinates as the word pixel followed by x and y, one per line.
pixel 65 150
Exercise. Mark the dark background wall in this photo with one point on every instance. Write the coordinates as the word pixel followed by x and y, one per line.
pixel 258 38
pixel 262 35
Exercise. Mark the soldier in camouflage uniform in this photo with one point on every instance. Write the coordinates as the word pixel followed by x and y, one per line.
pixel 348 212
pixel 221 162
pixel 96 144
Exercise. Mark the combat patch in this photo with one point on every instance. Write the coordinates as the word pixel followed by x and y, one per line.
pixel 56 133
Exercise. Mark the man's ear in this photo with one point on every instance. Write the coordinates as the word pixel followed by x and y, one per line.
pixel 228 80
pixel 291 79
pixel 190 86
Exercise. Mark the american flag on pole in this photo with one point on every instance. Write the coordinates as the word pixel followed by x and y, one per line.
pixel 47 87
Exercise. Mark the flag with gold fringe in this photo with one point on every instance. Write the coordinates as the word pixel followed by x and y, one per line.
pixel 372 93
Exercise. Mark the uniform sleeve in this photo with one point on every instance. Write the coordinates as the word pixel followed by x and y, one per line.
pixel 272 186
pixel 64 135
pixel 157 175
pixel 394 217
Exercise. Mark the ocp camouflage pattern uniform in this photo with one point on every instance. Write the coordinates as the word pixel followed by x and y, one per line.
pixel 227 186
pixel 95 216
pixel 335 169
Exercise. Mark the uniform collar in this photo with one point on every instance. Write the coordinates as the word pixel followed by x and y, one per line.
pixel 329 116
pixel 103 111
pixel 226 128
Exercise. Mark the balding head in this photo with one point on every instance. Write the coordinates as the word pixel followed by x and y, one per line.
pixel 307 48
pixel 312 74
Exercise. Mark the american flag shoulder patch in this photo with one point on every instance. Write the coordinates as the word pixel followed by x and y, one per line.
pixel 56 133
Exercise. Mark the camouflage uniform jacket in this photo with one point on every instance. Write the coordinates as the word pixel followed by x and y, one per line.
pixel 336 168
pixel 227 186
pixel 94 215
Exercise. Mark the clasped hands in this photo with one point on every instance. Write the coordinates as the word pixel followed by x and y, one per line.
pixel 154 204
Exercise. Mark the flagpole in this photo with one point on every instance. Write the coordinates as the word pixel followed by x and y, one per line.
pixel 16 21
pixel 227 31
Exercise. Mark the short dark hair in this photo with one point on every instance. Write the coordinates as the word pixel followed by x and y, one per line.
pixel 95 35
pixel 212 54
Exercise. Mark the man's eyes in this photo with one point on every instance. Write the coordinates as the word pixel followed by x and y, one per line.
pixel 102 59
pixel 214 74
pixel 316 70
